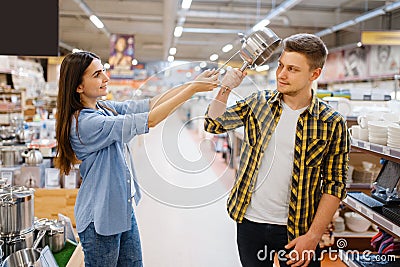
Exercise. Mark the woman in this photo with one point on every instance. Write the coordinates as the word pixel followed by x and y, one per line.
pixel 94 133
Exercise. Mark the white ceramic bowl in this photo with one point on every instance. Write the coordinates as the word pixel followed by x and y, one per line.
pixel 356 223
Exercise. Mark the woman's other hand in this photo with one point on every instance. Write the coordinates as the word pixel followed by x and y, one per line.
pixel 205 81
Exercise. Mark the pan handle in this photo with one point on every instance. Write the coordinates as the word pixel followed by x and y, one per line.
pixel 38 238
pixel 244 66
pixel 226 62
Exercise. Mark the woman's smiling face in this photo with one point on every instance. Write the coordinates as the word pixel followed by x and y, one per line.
pixel 94 82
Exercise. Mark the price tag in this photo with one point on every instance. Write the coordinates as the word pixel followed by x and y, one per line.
pixel 376 148
pixel 394 152
pixel 361 144
pixel 7 175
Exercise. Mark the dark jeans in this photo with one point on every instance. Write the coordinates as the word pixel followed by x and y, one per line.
pixel 258 243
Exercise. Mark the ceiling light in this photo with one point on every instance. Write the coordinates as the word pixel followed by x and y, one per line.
pixel 213 57
pixel 186 4
pixel 227 48
pixel 172 51
pixel 96 21
pixel 178 31
pixel 106 66
pixel 197 68
pixel 134 62
pixel 359 44
pixel 171 58
pixel 203 64
pixel 76 50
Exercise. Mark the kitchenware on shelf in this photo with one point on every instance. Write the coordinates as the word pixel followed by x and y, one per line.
pixel 13 243
pixel 32 157
pixel 10 156
pixel 356 223
pixel 55 234
pixel 256 48
pixel 338 224
pixel 24 135
pixel 341 104
pixel 16 210
pixel 363 119
pixel 28 257
pixel 355 131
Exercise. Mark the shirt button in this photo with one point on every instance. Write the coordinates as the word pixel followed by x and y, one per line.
pixel 129 200
pixel 128 181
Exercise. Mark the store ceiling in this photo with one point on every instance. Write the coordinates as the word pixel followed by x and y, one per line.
pixel 208 24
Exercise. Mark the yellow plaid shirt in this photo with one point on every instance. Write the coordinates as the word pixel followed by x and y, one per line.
pixel 320 156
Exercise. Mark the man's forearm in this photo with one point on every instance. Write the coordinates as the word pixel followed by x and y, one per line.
pixel 326 209
pixel 218 105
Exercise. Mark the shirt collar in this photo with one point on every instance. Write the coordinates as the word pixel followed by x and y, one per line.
pixel 313 108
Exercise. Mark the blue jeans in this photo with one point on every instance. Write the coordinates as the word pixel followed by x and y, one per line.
pixel 258 243
pixel 120 250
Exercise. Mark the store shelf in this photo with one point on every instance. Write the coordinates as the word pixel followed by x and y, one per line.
pixel 385 152
pixel 372 216
pixel 351 234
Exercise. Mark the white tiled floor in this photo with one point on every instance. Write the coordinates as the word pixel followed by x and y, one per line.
pixel 182 216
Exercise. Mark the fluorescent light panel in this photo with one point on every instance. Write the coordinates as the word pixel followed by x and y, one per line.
pixel 186 4
pixel 96 21
pixel 227 48
pixel 213 57
pixel 172 51
pixel 178 31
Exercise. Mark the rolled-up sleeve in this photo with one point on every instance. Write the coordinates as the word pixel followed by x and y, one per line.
pixel 135 124
pixel 336 162
pixel 232 118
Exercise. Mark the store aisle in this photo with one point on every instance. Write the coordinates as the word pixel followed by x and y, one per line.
pixel 182 216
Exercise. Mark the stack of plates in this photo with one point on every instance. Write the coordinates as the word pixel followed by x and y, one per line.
pixel 394 135
pixel 378 132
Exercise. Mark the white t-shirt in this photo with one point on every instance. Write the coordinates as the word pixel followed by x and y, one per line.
pixel 270 199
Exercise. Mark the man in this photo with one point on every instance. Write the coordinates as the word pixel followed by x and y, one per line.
pixel 293 161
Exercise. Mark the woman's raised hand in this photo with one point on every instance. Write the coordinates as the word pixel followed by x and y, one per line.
pixel 206 81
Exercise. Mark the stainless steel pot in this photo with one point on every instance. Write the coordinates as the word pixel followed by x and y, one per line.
pixel 28 257
pixel 10 156
pixel 16 210
pixel 55 234
pixel 256 48
pixel 13 243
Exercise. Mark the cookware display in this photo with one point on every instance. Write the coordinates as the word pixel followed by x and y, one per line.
pixel 54 236
pixel 16 210
pixel 27 257
pixel 13 243
pixel 10 156
pixel 33 157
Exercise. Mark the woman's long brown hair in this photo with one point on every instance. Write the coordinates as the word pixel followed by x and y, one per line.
pixel 68 104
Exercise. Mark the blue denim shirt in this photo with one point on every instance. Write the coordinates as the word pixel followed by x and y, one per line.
pixel 105 193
